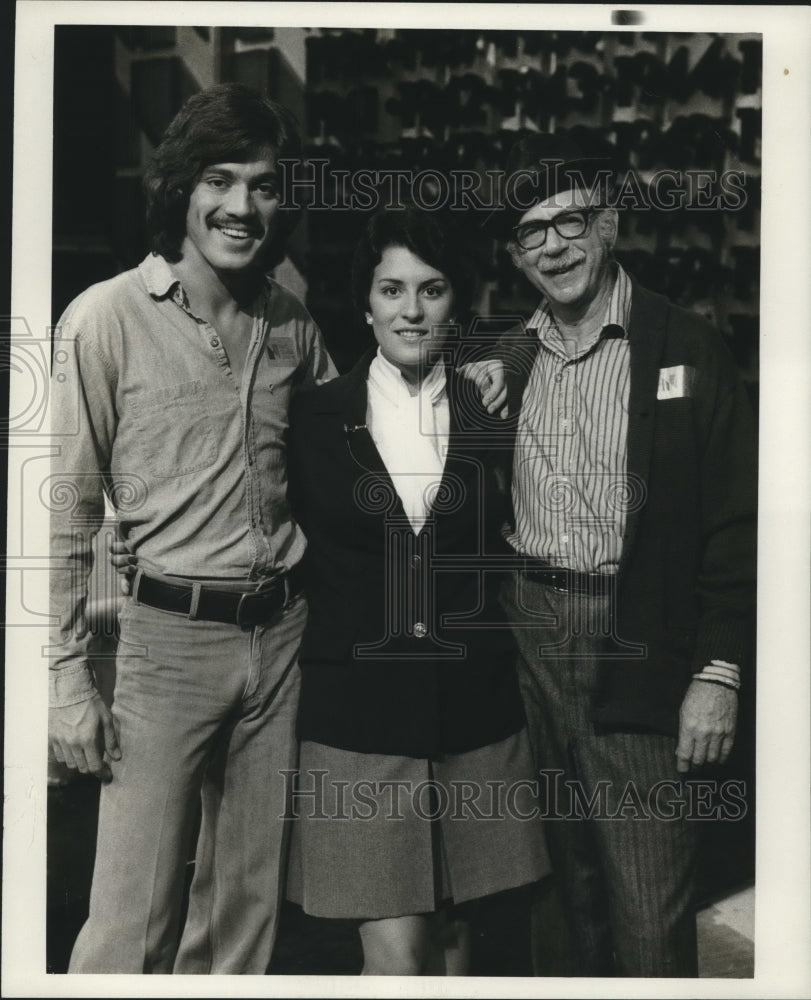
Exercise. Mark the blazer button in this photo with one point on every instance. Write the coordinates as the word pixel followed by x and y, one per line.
pixel 420 630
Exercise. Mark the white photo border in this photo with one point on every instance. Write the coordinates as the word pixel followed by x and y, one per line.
pixel 783 857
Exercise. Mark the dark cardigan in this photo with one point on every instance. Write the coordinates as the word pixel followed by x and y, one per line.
pixel 370 681
pixel 686 580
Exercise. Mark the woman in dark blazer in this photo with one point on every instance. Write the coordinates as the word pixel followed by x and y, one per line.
pixel 414 791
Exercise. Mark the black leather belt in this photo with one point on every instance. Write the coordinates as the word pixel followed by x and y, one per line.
pixel 569 580
pixel 228 606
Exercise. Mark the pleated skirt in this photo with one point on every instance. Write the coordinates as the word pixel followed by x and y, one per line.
pixel 379 836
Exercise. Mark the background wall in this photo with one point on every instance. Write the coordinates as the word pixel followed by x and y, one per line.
pixel 386 99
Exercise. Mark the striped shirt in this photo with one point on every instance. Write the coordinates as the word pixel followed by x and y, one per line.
pixel 570 489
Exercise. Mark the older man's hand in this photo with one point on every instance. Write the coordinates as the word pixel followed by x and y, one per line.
pixel 707 722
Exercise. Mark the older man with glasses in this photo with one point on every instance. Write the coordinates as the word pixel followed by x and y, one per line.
pixel 633 486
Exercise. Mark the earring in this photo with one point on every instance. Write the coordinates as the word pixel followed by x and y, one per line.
pixel 368 317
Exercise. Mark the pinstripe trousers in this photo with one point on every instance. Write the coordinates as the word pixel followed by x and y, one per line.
pixel 626 870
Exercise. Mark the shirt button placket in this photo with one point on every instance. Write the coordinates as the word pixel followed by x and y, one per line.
pixel 253 481
pixel 565 392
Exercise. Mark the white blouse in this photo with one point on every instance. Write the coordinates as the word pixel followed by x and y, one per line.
pixel 410 432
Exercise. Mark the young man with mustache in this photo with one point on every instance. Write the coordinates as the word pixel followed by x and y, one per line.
pixel 181 372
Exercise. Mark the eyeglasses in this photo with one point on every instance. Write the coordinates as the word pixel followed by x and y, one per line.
pixel 568 225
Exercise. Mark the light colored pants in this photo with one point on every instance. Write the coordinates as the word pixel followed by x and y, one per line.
pixel 207 713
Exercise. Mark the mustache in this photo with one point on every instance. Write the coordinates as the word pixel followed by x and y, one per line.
pixel 251 228
pixel 554 265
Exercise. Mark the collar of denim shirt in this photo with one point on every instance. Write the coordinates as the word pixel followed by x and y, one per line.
pixel 161 281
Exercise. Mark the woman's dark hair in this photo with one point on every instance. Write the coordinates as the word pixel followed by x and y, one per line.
pixel 431 237
pixel 229 123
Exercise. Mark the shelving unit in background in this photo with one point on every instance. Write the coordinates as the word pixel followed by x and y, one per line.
pixel 413 99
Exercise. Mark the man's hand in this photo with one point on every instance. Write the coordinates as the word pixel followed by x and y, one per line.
pixel 490 381
pixel 81 735
pixel 708 717
pixel 125 564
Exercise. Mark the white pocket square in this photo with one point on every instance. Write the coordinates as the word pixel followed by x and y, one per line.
pixel 676 382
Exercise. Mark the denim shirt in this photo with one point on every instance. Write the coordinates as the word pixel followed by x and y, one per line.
pixel 146 410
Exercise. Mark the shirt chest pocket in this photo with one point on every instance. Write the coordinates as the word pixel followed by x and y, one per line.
pixel 271 395
pixel 175 431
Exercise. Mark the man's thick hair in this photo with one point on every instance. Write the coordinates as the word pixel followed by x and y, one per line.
pixel 432 238
pixel 229 123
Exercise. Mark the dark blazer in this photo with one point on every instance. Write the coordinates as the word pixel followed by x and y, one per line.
pixel 371 680
pixel 686 580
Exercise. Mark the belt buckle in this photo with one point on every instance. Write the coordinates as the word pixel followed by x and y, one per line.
pixel 246 601
pixel 261 600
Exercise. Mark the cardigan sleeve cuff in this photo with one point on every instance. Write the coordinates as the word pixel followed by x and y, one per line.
pixel 725 638
pixel 720 672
